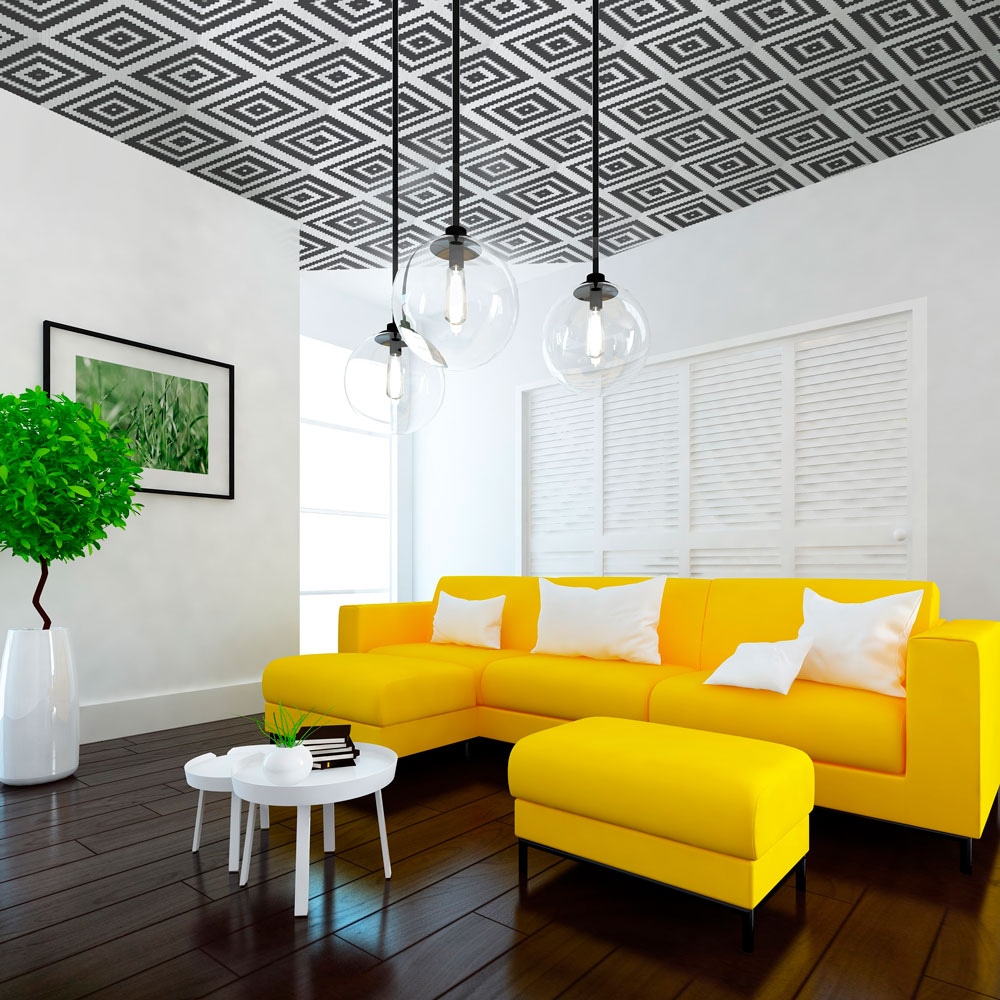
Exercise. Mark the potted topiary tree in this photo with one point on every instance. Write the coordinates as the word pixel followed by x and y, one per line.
pixel 65 477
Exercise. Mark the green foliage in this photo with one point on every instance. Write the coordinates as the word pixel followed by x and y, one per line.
pixel 65 477
pixel 284 731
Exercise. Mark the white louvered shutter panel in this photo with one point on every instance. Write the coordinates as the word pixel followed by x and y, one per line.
pixel 735 440
pixel 560 438
pixel 641 469
pixel 853 476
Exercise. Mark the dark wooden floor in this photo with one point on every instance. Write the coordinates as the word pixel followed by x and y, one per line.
pixel 100 895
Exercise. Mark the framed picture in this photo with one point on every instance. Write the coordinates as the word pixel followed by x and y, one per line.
pixel 177 408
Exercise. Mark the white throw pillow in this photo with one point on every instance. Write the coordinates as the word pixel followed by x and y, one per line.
pixel 859 645
pixel 468 623
pixel 606 623
pixel 767 666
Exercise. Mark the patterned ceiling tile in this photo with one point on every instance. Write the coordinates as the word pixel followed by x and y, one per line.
pixel 41 74
pixel 113 109
pixel 708 106
pixel 119 37
pixel 182 140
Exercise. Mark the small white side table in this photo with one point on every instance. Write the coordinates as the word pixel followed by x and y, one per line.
pixel 373 769
pixel 209 773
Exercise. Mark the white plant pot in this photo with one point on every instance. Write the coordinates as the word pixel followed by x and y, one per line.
pixel 39 707
pixel 288 765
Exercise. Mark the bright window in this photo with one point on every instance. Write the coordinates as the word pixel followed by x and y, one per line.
pixel 346 488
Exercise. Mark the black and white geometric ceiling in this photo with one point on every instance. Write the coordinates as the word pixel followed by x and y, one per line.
pixel 709 105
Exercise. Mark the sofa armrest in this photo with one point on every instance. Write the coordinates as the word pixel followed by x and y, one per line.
pixel 364 626
pixel 953 722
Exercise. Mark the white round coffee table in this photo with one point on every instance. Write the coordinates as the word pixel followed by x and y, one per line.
pixel 373 769
pixel 210 773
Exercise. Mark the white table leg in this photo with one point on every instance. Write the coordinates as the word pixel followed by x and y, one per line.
pixel 265 818
pixel 381 833
pixel 247 844
pixel 329 830
pixel 196 843
pixel 302 861
pixel 235 809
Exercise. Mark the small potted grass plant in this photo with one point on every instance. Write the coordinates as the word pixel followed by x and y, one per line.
pixel 289 761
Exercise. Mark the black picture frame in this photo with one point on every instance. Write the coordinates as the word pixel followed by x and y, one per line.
pixel 48 326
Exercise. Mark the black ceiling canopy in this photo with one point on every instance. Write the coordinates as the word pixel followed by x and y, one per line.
pixel 707 105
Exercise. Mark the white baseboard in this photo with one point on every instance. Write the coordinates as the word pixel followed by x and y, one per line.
pixel 112 719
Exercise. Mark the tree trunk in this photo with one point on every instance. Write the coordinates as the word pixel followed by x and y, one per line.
pixel 46 620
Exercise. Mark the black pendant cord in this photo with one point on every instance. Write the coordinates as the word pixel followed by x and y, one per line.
pixel 395 340
pixel 595 125
pixel 395 138
pixel 456 87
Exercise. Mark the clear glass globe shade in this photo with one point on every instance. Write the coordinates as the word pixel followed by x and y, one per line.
pixel 595 354
pixel 403 393
pixel 467 313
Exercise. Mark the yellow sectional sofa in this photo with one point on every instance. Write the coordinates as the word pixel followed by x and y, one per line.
pixel 931 759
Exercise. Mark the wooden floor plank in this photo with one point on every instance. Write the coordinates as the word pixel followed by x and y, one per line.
pixel 934 989
pixel 881 950
pixel 439 962
pixel 12 826
pixel 21 865
pixel 317 970
pixel 192 974
pixel 420 836
pixel 97 826
pixel 967 951
pixel 405 922
pixel 541 967
pixel 93 894
pixel 69 937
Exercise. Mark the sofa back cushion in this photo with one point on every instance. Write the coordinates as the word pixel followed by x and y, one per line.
pixel 769 610
pixel 681 613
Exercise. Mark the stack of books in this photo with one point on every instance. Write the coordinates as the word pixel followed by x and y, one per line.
pixel 331 746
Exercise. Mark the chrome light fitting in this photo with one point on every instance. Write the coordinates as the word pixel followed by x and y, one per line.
pixel 454 291
pixel 595 340
pixel 386 378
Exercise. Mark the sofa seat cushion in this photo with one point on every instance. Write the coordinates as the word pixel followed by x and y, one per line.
pixel 476 658
pixel 721 793
pixel 365 687
pixel 572 687
pixel 834 725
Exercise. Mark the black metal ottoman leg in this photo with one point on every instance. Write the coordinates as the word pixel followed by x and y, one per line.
pixel 800 875
pixel 522 864
pixel 965 856
pixel 748 930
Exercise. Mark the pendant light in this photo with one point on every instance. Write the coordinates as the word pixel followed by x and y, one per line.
pixel 386 378
pixel 595 340
pixel 454 291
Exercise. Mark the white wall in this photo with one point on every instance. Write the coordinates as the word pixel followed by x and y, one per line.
pixel 175 618
pixel 924 224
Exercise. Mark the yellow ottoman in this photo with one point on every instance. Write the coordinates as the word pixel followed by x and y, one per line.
pixel 408 705
pixel 719 816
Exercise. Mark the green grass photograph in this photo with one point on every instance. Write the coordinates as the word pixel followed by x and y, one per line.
pixel 165 415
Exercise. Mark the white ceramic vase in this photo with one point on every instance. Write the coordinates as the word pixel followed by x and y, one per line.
pixel 39 707
pixel 288 765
